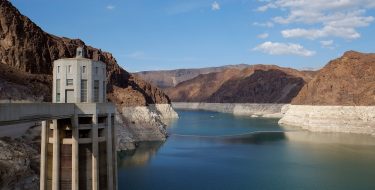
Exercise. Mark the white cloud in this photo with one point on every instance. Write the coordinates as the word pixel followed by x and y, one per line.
pixel 327 44
pixel 264 24
pixel 110 7
pixel 266 7
pixel 336 18
pixel 342 32
pixel 263 36
pixel 215 6
pixel 275 48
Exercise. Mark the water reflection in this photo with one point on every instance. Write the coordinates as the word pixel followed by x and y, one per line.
pixel 249 138
pixel 140 156
pixel 256 138
pixel 330 138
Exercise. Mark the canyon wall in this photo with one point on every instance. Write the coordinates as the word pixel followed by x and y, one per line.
pixel 239 109
pixel 340 98
pixel 253 84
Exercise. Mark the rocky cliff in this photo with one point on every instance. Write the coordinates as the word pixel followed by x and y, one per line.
pixel 254 84
pixel 28 51
pixel 348 80
pixel 340 98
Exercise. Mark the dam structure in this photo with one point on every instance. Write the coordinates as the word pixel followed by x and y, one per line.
pixel 78 147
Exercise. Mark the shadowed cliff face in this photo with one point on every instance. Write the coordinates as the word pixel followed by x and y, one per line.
pixel 25 47
pixel 272 86
pixel 348 80
pixel 254 84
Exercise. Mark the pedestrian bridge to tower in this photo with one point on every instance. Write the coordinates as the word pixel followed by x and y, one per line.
pixel 13 113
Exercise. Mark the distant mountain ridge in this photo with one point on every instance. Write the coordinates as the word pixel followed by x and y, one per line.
pixel 170 78
pixel 253 84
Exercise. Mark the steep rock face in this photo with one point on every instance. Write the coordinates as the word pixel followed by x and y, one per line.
pixel 254 84
pixel 27 48
pixel 201 87
pixel 272 86
pixel 19 164
pixel 348 80
pixel 170 78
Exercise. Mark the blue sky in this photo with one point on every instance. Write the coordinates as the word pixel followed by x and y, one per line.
pixel 170 34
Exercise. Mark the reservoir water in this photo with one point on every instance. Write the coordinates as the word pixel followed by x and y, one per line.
pixel 209 150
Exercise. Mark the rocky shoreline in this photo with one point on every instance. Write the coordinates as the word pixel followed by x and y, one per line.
pixel 240 109
pixel 142 123
pixel 345 119
pixel 20 160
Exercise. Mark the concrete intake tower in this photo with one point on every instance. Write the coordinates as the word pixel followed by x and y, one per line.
pixel 79 151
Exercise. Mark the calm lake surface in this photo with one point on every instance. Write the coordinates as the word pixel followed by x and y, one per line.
pixel 201 154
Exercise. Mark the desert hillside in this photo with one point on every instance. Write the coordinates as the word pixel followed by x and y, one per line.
pixel 170 78
pixel 26 59
pixel 254 84
pixel 348 80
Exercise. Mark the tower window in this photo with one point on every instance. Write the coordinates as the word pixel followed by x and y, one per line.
pixel 84 69
pixel 69 82
pixel 58 69
pixel 96 91
pixel 69 69
pixel 57 90
pixel 83 90
pixel 104 91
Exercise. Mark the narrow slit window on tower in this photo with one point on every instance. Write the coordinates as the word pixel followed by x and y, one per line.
pixel 69 68
pixel 84 69
pixel 104 91
pixel 57 90
pixel 83 90
pixel 96 91
pixel 58 69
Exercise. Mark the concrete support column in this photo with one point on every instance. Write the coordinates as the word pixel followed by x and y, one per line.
pixel 56 157
pixel 114 142
pixel 75 167
pixel 43 155
pixel 95 153
pixel 109 153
